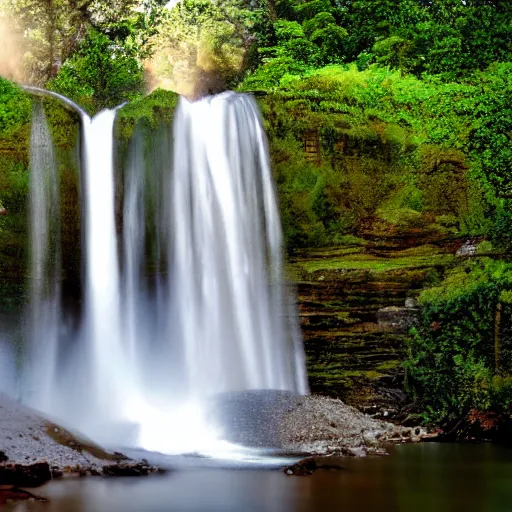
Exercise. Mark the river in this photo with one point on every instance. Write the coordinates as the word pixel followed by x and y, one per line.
pixel 414 478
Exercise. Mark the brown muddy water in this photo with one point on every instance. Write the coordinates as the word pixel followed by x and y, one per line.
pixel 414 478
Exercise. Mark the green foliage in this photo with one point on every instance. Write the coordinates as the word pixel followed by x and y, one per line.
pixel 451 355
pixel 64 124
pixel 286 31
pixel 501 232
pixel 100 74
pixel 449 38
pixel 417 258
pixel 442 177
pixel 273 73
pixel 302 188
pixel 15 107
pixel 395 52
pixel 318 41
pixel 310 9
pixel 414 137
pixel 48 33
pixel 14 178
pixel 150 111
pixel 490 138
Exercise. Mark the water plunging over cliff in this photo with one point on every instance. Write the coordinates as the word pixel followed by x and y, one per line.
pixel 192 302
pixel 102 321
pixel 43 313
pixel 232 314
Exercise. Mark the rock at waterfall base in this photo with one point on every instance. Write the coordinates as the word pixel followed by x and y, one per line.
pixel 309 465
pixel 11 493
pixel 326 426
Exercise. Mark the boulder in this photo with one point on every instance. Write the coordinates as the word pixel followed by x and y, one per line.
pixel 397 318
pixel 466 250
pixel 31 475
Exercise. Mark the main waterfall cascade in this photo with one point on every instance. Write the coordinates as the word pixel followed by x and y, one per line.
pixel 231 323
pixel 192 302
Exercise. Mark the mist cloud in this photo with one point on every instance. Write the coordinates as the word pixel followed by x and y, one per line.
pixel 11 51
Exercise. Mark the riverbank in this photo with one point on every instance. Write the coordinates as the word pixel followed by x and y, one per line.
pixel 34 450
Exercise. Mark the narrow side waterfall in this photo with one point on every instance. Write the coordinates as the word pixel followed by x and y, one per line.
pixel 134 231
pixel 103 324
pixel 43 319
pixel 188 302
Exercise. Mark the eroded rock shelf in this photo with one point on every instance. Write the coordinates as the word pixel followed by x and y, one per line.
pixel 356 305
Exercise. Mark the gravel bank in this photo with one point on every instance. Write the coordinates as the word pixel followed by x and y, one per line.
pixel 318 425
pixel 313 424
pixel 33 450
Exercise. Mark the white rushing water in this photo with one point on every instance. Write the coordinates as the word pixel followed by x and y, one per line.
pixel 43 315
pixel 189 301
pixel 225 253
pixel 103 322
pixel 229 324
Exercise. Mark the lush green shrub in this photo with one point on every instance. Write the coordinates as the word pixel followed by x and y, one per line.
pixel 501 232
pixel 412 137
pixel 100 74
pixel 14 108
pixel 454 364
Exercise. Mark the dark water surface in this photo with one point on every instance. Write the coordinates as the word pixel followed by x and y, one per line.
pixel 427 477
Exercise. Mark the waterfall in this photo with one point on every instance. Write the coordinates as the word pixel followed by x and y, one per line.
pixel 231 324
pixel 45 265
pixel 189 301
pixel 225 253
pixel 103 323
pixel 134 244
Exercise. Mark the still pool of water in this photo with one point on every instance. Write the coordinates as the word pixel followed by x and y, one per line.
pixel 414 478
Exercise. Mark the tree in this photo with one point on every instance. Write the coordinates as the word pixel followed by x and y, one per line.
pixel 100 74
pixel 323 31
pixel 54 29
pixel 200 47
pixel 46 26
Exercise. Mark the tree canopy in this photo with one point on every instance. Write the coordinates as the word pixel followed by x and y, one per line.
pixel 96 52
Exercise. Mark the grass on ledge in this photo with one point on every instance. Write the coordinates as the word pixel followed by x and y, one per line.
pixel 378 264
pixel 151 109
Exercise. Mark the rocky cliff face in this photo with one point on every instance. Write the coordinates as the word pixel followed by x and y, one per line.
pixel 356 305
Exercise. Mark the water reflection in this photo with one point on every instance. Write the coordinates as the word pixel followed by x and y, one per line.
pixel 423 478
pixel 9 331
